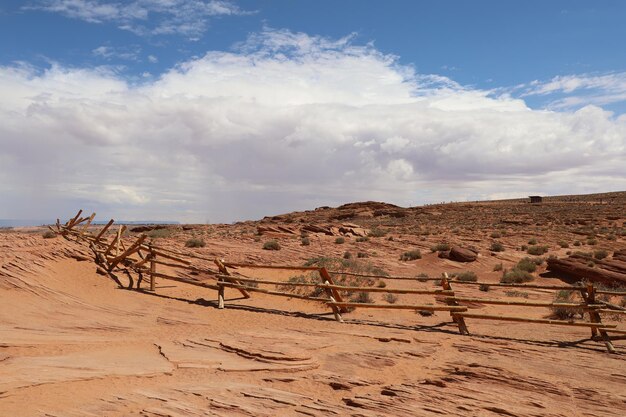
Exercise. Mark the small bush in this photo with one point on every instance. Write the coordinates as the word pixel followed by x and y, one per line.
pixel 498 267
pixel 159 233
pixel 600 254
pixel 381 284
pixel 524 248
pixel 362 239
pixel 537 250
pixel 592 242
pixel 391 298
pixel 483 287
pixel 577 243
pixel 563 244
pixel 564 313
pixel 361 297
pixel 515 293
pixel 340 240
pixel 496 247
pixel 271 245
pixel 532 241
pixel 527 265
pixel 390 238
pixel 496 235
pixel 362 255
pixel 49 234
pixel 195 243
pixel 467 276
pixel 516 276
pixel 376 232
pixel 425 313
pixel 440 247
pixel 411 255
pixel 305 241
pixel 347 255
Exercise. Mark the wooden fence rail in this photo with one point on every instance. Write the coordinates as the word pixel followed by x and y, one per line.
pixel 125 255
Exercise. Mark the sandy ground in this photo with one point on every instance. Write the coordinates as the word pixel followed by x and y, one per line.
pixel 73 344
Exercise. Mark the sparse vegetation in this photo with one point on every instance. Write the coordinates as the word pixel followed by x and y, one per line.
pixel 537 250
pixel 527 265
pixel 467 276
pixel 411 255
pixel 496 247
pixel 195 243
pixel 271 245
pixel 305 241
pixel 498 267
pixel 483 287
pixel 340 240
pixel 563 244
pixel 159 233
pixel 362 239
pixel 49 234
pixel 516 276
pixel 515 293
pixel 495 235
pixel 440 247
pixel 390 298
pixel 362 255
pixel 592 241
pixel 532 241
pixel 347 255
pixel 600 254
pixel 361 297
pixel 564 313
pixel 376 232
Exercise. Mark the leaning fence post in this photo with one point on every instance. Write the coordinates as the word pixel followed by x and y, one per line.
pixel 336 310
pixel 152 267
pixel 460 321
pixel 594 316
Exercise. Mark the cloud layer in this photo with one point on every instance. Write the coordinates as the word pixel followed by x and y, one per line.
pixel 145 17
pixel 285 121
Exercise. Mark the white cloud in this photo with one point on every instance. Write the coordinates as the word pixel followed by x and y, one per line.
pixel 287 121
pixel 575 91
pixel 153 59
pixel 145 17
pixel 128 53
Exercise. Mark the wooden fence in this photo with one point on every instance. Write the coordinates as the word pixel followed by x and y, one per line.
pixel 137 257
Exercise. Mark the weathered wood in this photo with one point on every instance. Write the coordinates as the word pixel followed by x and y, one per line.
pixel 72 221
pixel 227 276
pixel 89 220
pixel 152 257
pixel 270 292
pixel 185 280
pixel 445 284
pixel 524 303
pixel 538 321
pixel 353 274
pixel 617 331
pixel 281 267
pixel 528 286
pixel 336 311
pixel 618 293
pixel 399 306
pixel 328 279
pixel 103 231
pixel 595 317
pixel 132 249
pixel 609 311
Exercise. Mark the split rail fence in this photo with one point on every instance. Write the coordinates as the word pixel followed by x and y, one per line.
pixel 114 256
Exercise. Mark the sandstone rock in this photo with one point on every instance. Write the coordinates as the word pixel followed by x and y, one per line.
pixel 460 254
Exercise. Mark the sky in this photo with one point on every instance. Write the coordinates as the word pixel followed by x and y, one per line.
pixel 219 111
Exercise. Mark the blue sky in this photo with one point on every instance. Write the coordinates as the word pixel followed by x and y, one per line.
pixel 416 84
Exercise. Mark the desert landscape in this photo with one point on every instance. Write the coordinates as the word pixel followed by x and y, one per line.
pixel 83 333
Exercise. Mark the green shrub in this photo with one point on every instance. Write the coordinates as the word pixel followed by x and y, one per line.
pixel 49 234
pixel 411 255
pixel 440 247
pixel 498 267
pixel 159 233
pixel 361 297
pixel 271 245
pixel 527 265
pixel 362 239
pixel 483 287
pixel 524 248
pixel 347 255
pixel 515 293
pixel 532 241
pixel 592 242
pixel 516 276
pixel 577 243
pixel 305 241
pixel 496 235
pixel 390 298
pixel 195 243
pixel 600 254
pixel 362 255
pixel 340 240
pixel 563 244
pixel 537 250
pixel 564 313
pixel 467 276
pixel 376 232
pixel 496 247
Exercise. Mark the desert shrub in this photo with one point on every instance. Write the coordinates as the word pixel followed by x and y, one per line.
pixel 347 255
pixel 422 277
pixel 569 252
pixel 515 293
pixel 592 241
pixel 483 287
pixel 305 241
pixel 564 313
pixel 496 235
pixel 524 248
pixel 563 244
pixel 411 255
pixel 496 247
pixel 362 239
pixel 498 267
pixel 271 245
pixel 516 276
pixel 390 298
pixel 600 254
pixel 577 243
pixel 532 241
pixel 440 247
pixel 257 238
pixel 49 234
pixel 376 232
pixel 361 297
pixel 381 284
pixel 340 240
pixel 527 265
pixel 362 255
pixel 425 313
pixel 467 276
pixel 537 250
pixel 195 243
pixel 611 237
pixel 390 238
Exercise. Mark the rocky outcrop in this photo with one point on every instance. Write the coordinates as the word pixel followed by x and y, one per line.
pixel 460 254
pixel 584 267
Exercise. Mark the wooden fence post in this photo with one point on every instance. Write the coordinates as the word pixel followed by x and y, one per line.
pixel 152 268
pixel 333 292
pixel 594 317
pixel 336 310
pixel 460 321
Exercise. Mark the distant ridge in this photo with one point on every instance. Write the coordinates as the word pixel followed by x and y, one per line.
pixel 40 222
